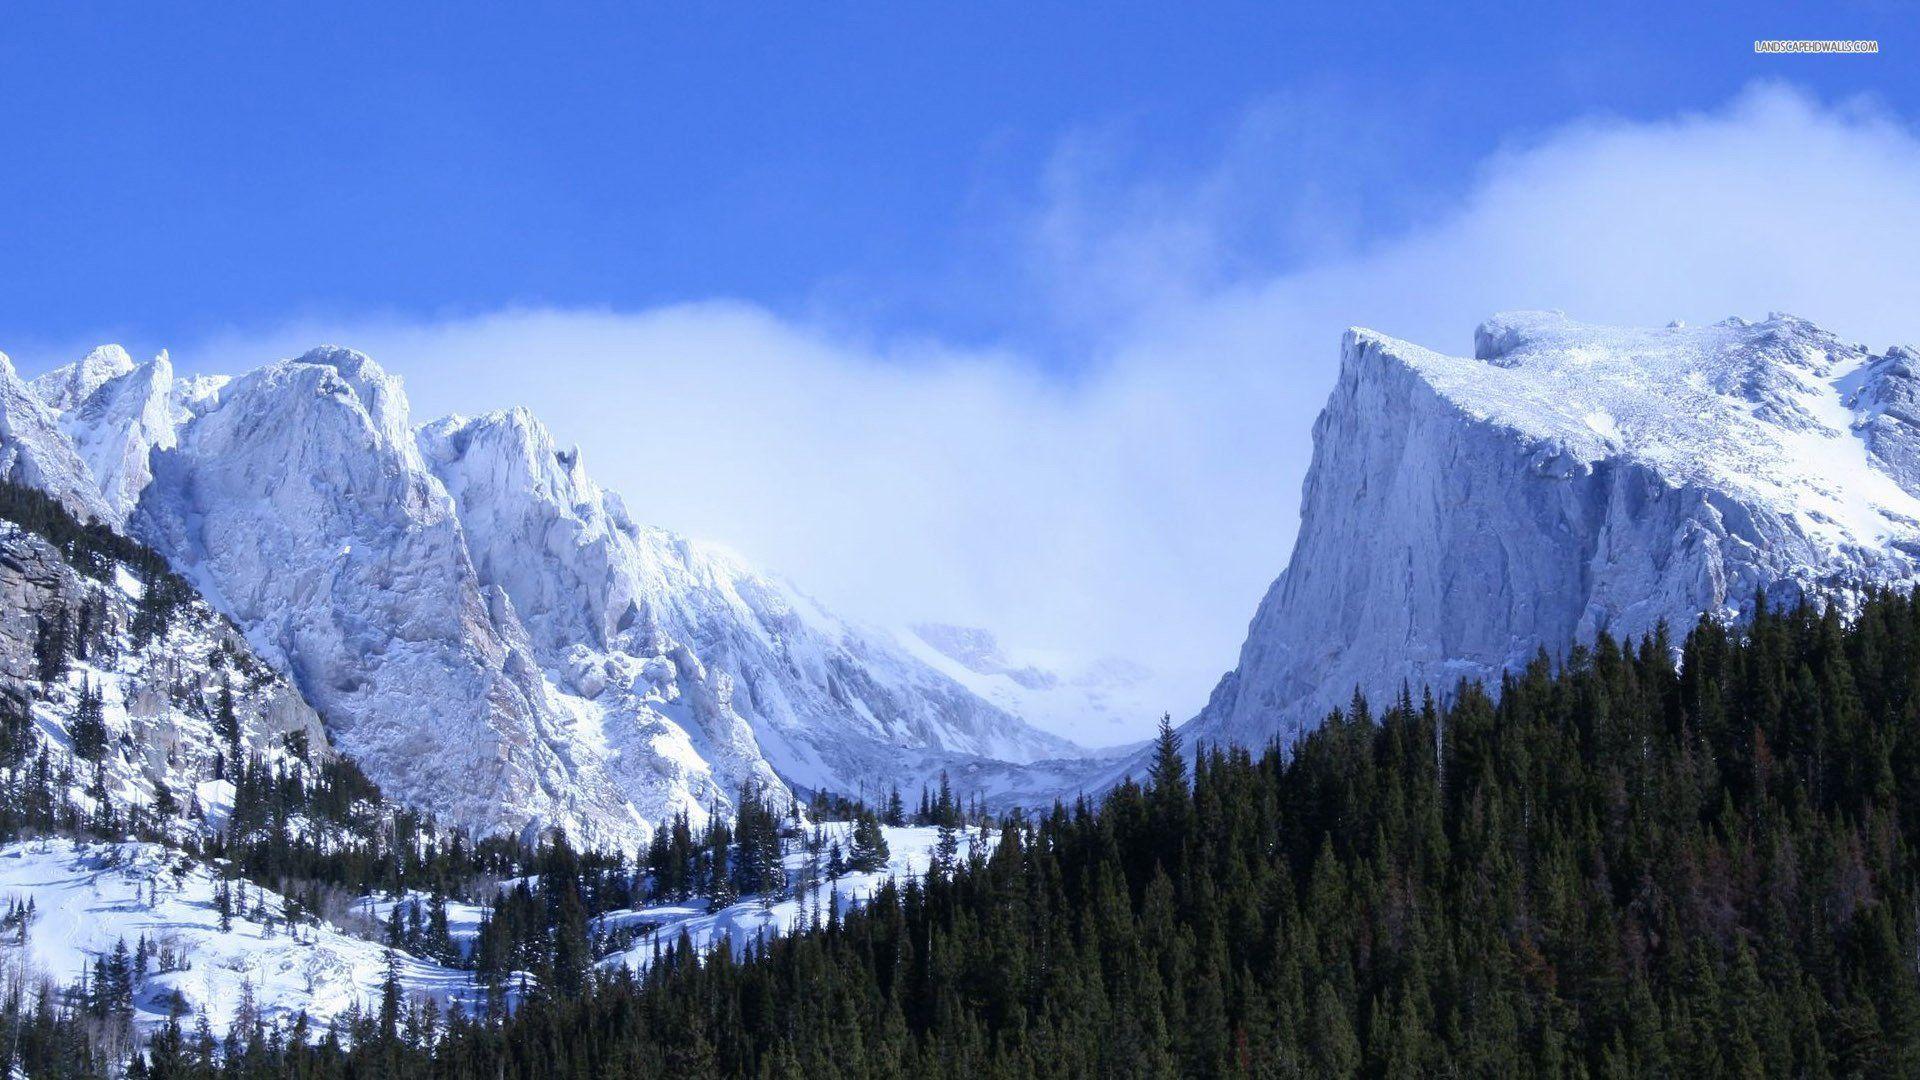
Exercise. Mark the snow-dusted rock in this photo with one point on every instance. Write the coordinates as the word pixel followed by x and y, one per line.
pixel 159 690
pixel 117 426
pixel 1460 513
pixel 66 386
pixel 34 452
pixel 299 502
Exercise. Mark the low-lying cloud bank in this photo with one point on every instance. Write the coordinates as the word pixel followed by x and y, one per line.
pixel 1142 506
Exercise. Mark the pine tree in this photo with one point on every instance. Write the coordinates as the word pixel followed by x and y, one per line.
pixel 868 850
pixel 390 998
pixel 89 730
pixel 946 850
pixel 226 721
pixel 50 646
pixel 1613 867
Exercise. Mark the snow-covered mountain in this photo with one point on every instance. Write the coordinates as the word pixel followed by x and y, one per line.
pixel 34 452
pixel 1461 513
pixel 487 632
pixel 116 421
pixel 653 627
pixel 1097 703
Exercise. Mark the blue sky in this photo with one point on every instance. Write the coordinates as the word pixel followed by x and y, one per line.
pixel 1006 315
pixel 174 168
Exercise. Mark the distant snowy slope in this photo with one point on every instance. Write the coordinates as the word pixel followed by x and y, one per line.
pixel 1461 513
pixel 1101 703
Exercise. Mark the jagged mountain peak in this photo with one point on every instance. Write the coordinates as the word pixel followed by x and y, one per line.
pixel 117 427
pixel 70 384
pixel 354 380
pixel 516 439
pixel 827 704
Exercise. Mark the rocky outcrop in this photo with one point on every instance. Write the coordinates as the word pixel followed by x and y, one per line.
pixel 160 681
pixel 117 427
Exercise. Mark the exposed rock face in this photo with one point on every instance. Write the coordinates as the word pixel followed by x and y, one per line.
pixel 116 428
pixel 1461 514
pixel 160 689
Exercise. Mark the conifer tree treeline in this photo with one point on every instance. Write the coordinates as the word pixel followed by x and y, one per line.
pixel 1620 868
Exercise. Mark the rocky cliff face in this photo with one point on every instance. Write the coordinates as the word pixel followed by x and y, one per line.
pixel 1462 513
pixel 160 663
pixel 117 426
pixel 300 504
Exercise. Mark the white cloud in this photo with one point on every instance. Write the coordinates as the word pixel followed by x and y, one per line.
pixel 1143 506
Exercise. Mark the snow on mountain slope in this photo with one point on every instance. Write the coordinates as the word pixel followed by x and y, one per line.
pixel 1094 704
pixel 34 452
pixel 299 502
pixel 90 898
pixel 1568 479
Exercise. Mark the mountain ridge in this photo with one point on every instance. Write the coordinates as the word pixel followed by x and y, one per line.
pixel 486 630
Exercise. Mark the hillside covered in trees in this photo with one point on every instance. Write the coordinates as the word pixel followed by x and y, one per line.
pixel 1619 867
